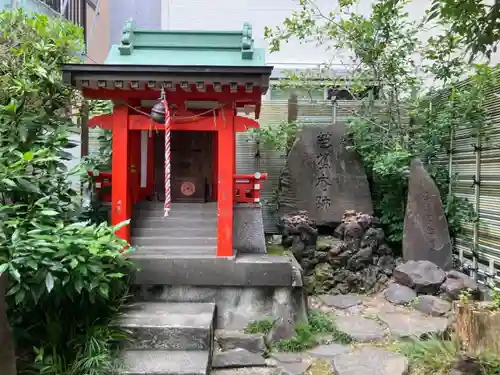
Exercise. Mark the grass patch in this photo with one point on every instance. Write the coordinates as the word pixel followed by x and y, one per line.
pixel 259 326
pixel 431 356
pixel 306 335
pixel 435 355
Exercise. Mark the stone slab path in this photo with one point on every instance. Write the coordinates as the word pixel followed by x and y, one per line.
pixel 371 322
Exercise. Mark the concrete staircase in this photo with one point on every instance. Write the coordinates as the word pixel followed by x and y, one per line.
pixel 179 282
pixel 168 338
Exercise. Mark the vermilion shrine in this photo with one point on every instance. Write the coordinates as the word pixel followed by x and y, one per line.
pixel 204 265
pixel 207 78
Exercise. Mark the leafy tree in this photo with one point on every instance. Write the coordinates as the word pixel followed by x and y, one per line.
pixel 475 22
pixel 66 277
pixel 387 55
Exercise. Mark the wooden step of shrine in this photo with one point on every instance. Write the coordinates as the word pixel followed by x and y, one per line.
pixel 191 228
pixel 168 338
pixel 160 241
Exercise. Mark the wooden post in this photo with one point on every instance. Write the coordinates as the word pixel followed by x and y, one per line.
pixel 84 130
pixel 292 108
pixel 225 191
pixel 120 189
pixel 477 325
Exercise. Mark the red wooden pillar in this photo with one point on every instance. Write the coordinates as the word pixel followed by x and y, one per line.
pixel 225 191
pixel 120 190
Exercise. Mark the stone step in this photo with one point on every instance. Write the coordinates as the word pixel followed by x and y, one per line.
pixel 178 207
pixel 170 326
pixel 173 213
pixel 167 231
pixel 167 241
pixel 206 269
pixel 169 251
pixel 165 362
pixel 174 223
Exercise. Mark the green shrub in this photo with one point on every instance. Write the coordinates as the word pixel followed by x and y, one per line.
pixel 308 335
pixel 67 277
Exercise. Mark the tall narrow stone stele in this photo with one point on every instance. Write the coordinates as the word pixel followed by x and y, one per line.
pixel 425 234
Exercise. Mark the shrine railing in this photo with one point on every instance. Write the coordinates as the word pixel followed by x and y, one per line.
pixel 248 187
pixel 102 185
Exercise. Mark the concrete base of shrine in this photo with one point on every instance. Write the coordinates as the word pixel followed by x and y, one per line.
pixel 248 229
pixel 244 289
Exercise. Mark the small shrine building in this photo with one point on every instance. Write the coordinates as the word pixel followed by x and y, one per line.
pixel 176 98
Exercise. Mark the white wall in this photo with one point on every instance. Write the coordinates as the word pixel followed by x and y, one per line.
pixel 231 14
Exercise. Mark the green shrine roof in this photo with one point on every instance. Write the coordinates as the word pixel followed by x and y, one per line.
pixel 186 48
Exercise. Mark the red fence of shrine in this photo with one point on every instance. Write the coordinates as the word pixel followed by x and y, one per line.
pixel 248 187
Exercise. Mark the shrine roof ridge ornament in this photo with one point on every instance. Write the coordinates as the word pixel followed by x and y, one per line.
pixel 177 47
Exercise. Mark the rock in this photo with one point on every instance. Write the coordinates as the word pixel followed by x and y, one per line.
pixel 323 177
pixel 425 234
pixel 370 361
pixel 291 363
pixel 299 368
pixel 360 329
pixel 399 294
pixel 284 326
pixel 412 324
pixel 423 276
pixel 228 340
pixel 456 283
pixel 237 358
pixel 341 301
pixel 326 243
pixel 373 238
pixel 361 262
pixel 287 357
pixel 432 305
pixel 353 233
pixel 248 371
pixel 329 351
pixel 298 232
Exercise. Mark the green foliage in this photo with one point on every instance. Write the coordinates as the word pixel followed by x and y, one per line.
pixel 308 335
pixel 435 355
pixel 279 136
pixel 260 326
pixel 474 22
pixel 402 124
pixel 67 277
pixel 102 160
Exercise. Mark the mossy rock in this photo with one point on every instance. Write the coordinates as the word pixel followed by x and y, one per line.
pixel 275 250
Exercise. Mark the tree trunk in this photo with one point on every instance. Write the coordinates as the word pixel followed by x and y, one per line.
pixel 7 352
pixel 477 326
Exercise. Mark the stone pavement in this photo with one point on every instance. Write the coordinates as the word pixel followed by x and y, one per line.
pixel 372 323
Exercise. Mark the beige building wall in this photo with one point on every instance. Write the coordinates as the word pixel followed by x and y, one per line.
pixel 98 32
